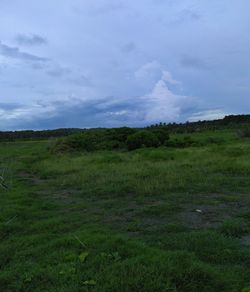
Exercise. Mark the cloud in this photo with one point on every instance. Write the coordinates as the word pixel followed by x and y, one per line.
pixel 189 14
pixel 9 106
pixel 30 40
pixel 163 105
pixel 166 76
pixel 26 112
pixel 108 7
pixel 148 74
pixel 68 75
pixel 160 104
pixel 214 114
pixel 149 70
pixel 191 62
pixel 58 71
pixel 128 47
pixel 15 53
pixel 186 15
pixel 122 48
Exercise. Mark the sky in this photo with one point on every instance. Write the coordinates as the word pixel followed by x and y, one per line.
pixel 112 63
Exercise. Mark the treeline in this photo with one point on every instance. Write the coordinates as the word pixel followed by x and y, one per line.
pixel 231 121
pixel 34 135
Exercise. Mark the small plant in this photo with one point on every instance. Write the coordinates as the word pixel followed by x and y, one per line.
pixel 234 228
pixel 3 183
pixel 214 140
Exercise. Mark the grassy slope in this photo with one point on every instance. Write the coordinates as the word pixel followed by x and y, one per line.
pixel 102 221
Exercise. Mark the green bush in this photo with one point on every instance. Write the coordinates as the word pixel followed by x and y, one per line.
pixel 182 142
pixel 93 139
pixel 161 134
pixel 142 139
pixel 120 134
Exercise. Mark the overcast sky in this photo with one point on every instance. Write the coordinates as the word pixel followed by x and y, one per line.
pixel 89 63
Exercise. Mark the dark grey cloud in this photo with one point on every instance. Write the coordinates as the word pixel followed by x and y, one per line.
pixel 160 104
pixel 67 75
pixel 58 71
pixel 108 7
pixel 80 80
pixel 10 106
pixel 15 53
pixel 189 14
pixel 129 47
pixel 186 15
pixel 80 114
pixel 192 62
pixel 30 40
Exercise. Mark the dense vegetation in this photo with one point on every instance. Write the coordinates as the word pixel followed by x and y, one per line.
pixel 33 135
pixel 229 122
pixel 174 216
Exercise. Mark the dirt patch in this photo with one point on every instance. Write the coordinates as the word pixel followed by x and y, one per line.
pixel 213 213
pixel 245 240
pixel 27 176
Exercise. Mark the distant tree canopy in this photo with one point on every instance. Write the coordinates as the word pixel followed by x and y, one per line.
pixel 228 122
pixel 30 134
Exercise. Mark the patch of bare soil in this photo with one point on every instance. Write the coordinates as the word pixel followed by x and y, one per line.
pixel 29 177
pixel 211 215
pixel 245 240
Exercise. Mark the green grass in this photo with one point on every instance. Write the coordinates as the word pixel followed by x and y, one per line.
pixel 148 220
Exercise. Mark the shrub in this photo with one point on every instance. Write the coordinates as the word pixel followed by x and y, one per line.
pixel 87 141
pixel 182 142
pixel 161 134
pixel 93 139
pixel 142 139
pixel 120 134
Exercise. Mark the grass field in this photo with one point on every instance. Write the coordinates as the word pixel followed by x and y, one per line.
pixel 162 219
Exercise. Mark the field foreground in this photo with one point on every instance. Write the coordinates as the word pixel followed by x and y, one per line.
pixel 164 219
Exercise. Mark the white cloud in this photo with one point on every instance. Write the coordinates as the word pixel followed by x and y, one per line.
pixel 163 105
pixel 149 71
pixel 27 113
pixel 166 76
pixel 208 115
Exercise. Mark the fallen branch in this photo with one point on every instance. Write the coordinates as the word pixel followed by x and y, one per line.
pixel 82 244
pixel 11 219
pixel 2 183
